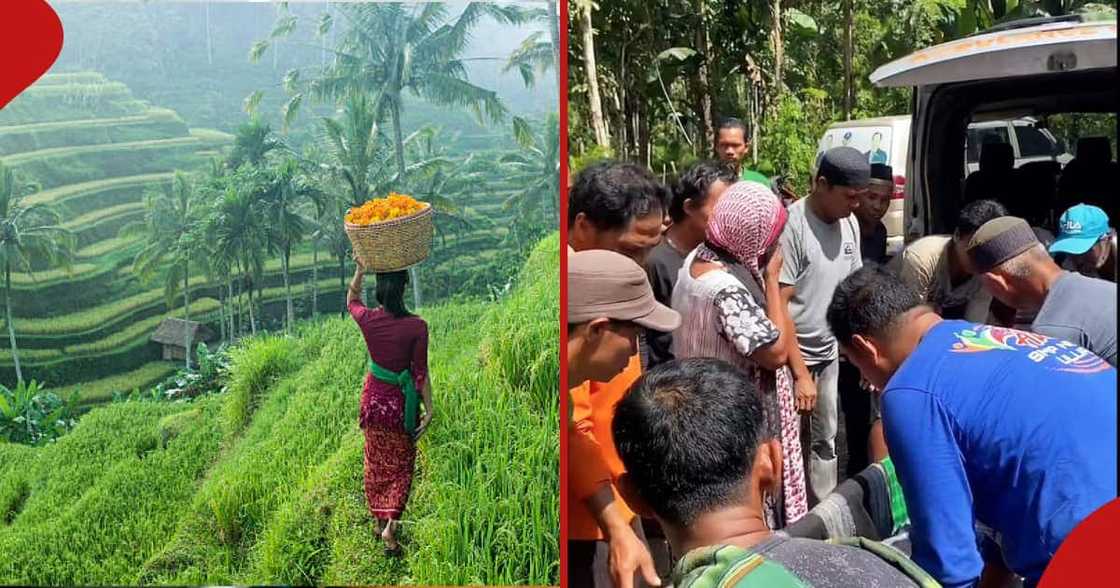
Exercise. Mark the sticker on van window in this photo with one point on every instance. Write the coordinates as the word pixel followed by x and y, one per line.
pixel 874 142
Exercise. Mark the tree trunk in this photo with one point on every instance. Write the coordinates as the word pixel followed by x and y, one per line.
pixel 602 138
pixel 398 140
pixel 187 315
pixel 8 310
pixel 209 42
pixel 703 78
pixel 776 40
pixel 315 281
pixel 232 305
pixel 554 28
pixel 848 60
pixel 291 316
pixel 252 315
pixel 222 312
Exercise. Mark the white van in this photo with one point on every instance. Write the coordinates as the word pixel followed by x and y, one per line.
pixel 887 139
pixel 1028 142
pixel 1037 68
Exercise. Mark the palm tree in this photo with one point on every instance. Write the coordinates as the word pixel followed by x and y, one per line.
pixel 405 48
pixel 252 143
pixel 447 182
pixel 27 233
pixel 173 243
pixel 537 170
pixel 536 55
pixel 238 229
pixel 289 190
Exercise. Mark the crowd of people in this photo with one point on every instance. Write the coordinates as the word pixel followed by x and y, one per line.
pixel 719 336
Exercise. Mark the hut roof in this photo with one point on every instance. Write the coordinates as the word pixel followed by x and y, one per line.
pixel 173 331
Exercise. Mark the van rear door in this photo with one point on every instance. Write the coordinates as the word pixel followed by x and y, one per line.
pixel 1045 50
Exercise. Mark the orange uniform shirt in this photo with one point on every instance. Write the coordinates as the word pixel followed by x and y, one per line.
pixel 592 458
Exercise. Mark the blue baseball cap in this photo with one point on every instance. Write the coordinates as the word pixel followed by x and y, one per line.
pixel 1079 229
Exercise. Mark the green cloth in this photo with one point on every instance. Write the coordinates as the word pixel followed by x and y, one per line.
pixel 403 380
pixel 727 566
pixel 749 175
pixel 898 503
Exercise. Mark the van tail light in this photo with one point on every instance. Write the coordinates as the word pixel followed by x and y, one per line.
pixel 899 188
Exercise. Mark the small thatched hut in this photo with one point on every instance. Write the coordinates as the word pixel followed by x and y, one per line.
pixel 172 333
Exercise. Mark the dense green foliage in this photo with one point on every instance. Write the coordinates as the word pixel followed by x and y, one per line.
pixel 787 69
pixel 262 483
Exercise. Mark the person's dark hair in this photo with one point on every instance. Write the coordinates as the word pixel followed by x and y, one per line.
pixel 694 185
pixel 877 133
pixel 732 123
pixel 869 302
pixel 613 193
pixel 975 214
pixel 687 432
pixel 390 292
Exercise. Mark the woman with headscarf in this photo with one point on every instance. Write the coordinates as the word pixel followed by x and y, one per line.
pixel 728 296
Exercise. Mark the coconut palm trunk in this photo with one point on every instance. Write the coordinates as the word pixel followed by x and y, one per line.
pixel 554 29
pixel 187 312
pixel 315 280
pixel 229 285
pixel 8 316
pixel 222 312
pixel 602 138
pixel 286 261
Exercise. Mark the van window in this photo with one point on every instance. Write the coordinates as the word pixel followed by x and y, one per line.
pixel 978 136
pixel 1033 143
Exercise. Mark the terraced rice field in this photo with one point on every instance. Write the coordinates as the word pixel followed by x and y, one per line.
pixel 262 484
pixel 96 150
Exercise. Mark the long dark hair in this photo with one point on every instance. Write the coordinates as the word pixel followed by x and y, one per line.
pixel 390 292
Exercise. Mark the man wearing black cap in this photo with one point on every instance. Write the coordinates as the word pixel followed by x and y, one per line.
pixel 820 245
pixel 1015 268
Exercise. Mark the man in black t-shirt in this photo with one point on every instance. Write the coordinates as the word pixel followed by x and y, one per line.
pixel 694 197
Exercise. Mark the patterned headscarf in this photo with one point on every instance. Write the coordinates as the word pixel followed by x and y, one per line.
pixel 746 221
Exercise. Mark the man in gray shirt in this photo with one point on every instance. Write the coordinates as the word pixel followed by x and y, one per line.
pixel 1017 271
pixel 821 247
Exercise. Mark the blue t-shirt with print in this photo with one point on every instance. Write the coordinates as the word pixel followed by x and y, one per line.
pixel 1016 428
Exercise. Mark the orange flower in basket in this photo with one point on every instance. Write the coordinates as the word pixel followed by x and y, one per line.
pixel 379 210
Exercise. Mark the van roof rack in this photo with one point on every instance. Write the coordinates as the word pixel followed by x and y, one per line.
pixel 1024 23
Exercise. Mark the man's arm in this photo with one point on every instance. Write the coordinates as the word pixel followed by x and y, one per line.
pixel 590 481
pixel 804 388
pixel 938 497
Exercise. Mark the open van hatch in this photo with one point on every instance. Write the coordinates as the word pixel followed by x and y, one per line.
pixel 1048 48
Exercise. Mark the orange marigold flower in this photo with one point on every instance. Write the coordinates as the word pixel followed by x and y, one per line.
pixel 383 209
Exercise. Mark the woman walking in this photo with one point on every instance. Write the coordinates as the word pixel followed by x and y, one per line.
pixel 397 380
pixel 728 296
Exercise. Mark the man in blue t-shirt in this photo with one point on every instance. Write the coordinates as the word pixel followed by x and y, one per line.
pixel 1012 430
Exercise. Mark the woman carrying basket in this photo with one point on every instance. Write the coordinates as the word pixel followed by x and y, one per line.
pixel 396 382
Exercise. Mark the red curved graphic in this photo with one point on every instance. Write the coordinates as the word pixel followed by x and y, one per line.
pixel 1085 557
pixel 30 41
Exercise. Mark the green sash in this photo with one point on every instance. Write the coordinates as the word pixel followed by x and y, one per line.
pixel 403 380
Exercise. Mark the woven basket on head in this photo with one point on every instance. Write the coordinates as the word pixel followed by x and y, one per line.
pixel 395 244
